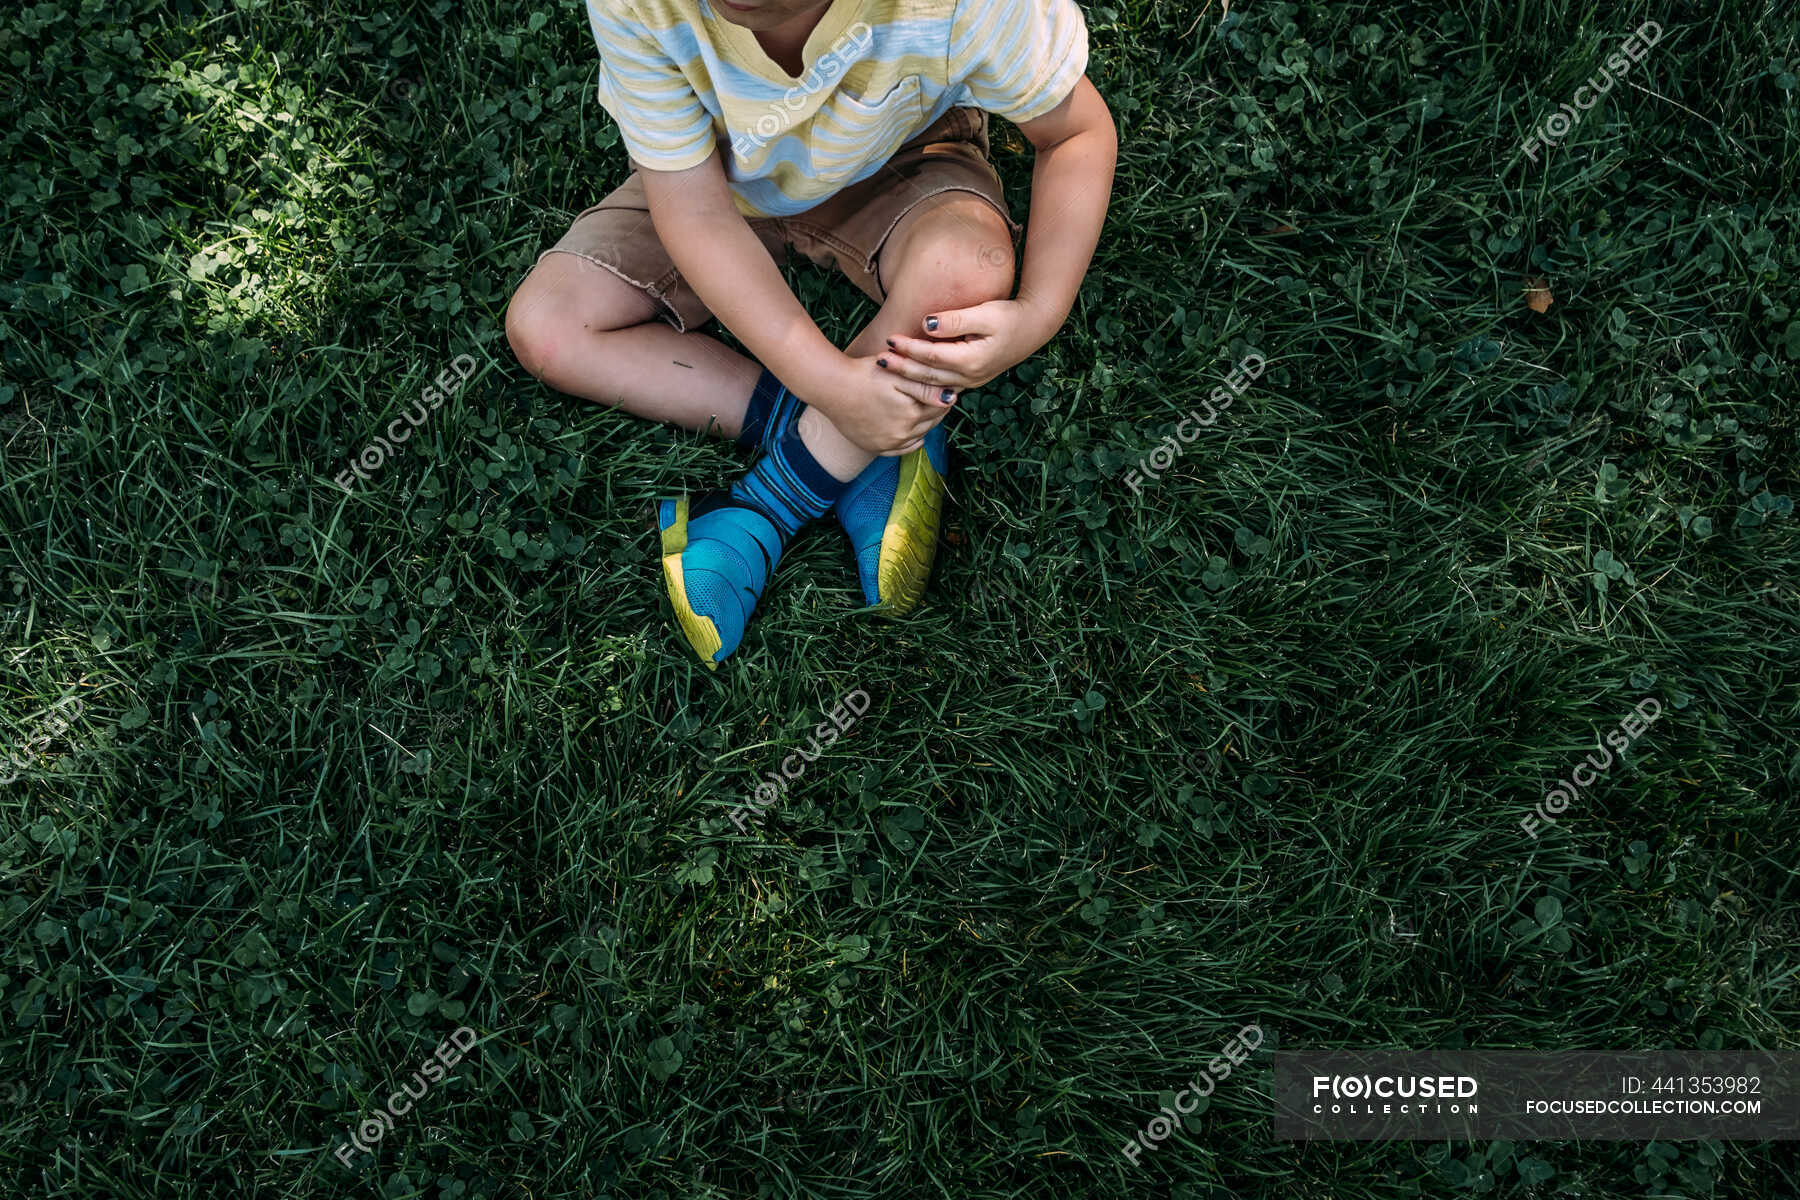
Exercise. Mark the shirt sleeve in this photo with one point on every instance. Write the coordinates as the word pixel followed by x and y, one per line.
pixel 660 117
pixel 1018 58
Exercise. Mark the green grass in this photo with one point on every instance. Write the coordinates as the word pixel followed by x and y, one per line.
pixel 355 770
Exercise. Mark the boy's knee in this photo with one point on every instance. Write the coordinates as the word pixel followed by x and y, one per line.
pixel 562 301
pixel 532 319
pixel 958 255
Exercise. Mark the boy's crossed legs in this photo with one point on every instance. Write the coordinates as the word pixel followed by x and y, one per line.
pixel 592 331
pixel 583 330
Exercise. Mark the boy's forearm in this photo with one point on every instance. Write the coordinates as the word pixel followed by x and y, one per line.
pixel 729 269
pixel 1071 185
pixel 714 248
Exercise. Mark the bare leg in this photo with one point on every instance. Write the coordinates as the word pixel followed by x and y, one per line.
pixel 584 331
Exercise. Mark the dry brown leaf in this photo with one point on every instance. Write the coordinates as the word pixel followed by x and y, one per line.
pixel 1537 294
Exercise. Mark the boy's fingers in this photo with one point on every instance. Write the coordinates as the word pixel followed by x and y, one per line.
pixel 954 355
pixel 948 324
pixel 957 322
pixel 927 393
pixel 921 429
pixel 918 372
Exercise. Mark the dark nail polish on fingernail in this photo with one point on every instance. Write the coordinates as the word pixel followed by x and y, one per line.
pixel 891 345
pixel 881 362
pixel 949 397
pixel 931 324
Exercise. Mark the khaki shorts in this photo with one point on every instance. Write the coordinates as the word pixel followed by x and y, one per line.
pixel 846 232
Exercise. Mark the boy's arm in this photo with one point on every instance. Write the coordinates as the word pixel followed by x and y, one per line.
pixel 714 248
pixel 723 260
pixel 1071 184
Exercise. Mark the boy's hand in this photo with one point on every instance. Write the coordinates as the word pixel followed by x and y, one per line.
pixel 966 347
pixel 882 412
pixel 1071 182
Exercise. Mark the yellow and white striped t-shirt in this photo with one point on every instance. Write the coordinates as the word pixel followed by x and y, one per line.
pixel 680 79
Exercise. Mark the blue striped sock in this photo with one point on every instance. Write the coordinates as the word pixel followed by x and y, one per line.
pixel 788 485
pixel 772 407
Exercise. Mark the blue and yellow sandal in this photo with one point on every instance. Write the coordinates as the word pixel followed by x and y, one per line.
pixel 891 512
pixel 717 555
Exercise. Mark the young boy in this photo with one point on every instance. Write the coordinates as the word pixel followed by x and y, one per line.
pixel 855 131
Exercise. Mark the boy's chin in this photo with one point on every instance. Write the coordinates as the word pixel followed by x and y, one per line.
pixel 767 15
pixel 761 16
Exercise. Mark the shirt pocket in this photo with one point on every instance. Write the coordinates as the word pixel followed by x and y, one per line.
pixel 854 130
